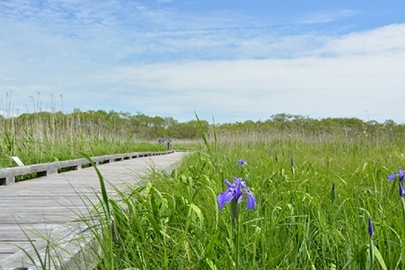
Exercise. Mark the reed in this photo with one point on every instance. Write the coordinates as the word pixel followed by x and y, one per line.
pixel 316 195
pixel 47 137
pixel 311 214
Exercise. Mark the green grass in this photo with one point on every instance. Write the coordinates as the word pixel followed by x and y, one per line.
pixel 312 215
pixel 173 222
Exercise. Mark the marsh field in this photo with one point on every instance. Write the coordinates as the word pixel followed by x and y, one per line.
pixel 330 207
pixel 324 199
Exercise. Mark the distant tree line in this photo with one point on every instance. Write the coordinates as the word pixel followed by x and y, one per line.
pixel 290 125
pixel 141 126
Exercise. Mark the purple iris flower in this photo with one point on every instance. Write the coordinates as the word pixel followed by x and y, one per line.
pixel 401 190
pixel 235 192
pixel 400 174
pixel 370 227
pixel 241 162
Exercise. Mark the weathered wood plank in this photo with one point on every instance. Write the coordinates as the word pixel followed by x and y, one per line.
pixel 48 207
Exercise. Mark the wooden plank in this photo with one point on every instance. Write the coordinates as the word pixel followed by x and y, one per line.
pixel 50 206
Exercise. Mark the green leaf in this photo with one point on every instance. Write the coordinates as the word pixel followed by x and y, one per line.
pixel 379 258
pixel 198 212
pixel 211 264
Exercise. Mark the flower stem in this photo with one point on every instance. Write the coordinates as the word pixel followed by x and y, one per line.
pixel 371 250
pixel 236 230
pixel 235 208
pixel 403 205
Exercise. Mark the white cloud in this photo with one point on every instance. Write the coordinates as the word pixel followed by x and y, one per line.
pixel 346 83
pixel 389 39
pixel 160 61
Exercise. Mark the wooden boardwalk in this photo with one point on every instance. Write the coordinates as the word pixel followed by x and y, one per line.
pixel 48 206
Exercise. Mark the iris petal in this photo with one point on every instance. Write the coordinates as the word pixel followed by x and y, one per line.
pixel 391 176
pixel 401 190
pixel 229 184
pixel 370 227
pixel 224 198
pixel 401 174
pixel 250 201
pixel 241 162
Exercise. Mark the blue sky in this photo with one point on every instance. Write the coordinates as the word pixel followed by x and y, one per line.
pixel 228 60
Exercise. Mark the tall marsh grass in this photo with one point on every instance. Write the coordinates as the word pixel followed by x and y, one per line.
pixel 313 214
pixel 47 137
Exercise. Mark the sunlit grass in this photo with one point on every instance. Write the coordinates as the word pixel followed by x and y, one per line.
pixel 310 215
pixel 300 222
pixel 39 141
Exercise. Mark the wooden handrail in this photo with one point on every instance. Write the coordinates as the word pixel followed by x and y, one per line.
pixel 8 175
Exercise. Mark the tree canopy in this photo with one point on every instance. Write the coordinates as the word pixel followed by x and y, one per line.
pixel 153 127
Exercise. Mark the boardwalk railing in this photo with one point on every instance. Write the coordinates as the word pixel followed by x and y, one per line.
pixel 8 175
pixel 52 221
